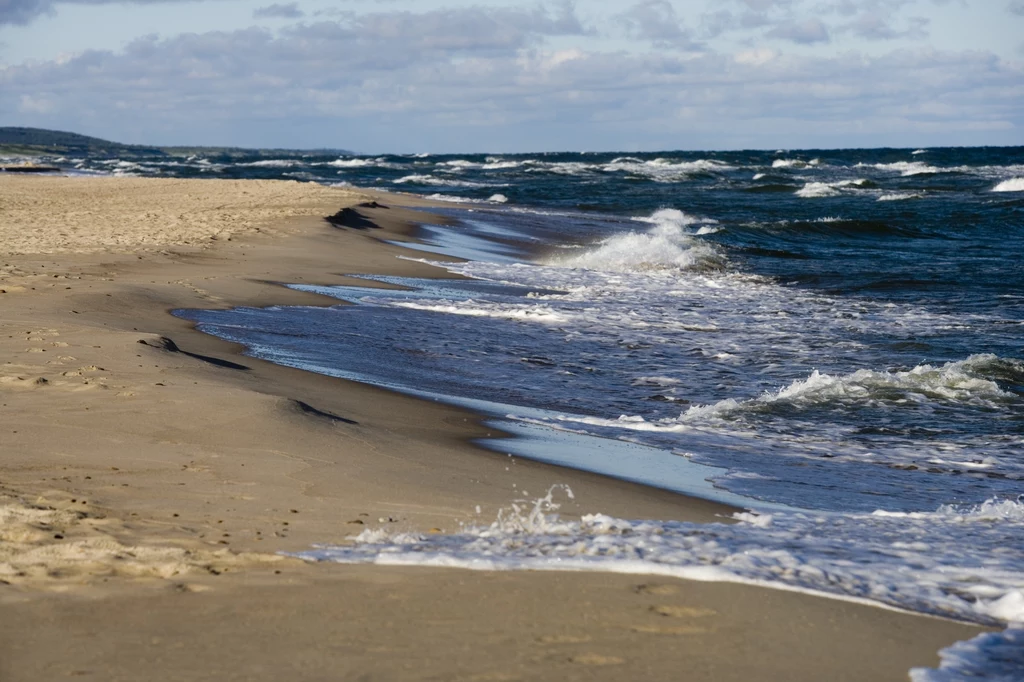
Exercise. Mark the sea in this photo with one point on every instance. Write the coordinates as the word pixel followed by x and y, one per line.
pixel 831 340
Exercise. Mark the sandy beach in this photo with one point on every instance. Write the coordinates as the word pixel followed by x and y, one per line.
pixel 151 474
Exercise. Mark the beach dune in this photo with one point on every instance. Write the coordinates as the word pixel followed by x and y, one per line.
pixel 151 474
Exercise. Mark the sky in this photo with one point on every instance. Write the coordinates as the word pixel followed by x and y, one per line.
pixel 458 76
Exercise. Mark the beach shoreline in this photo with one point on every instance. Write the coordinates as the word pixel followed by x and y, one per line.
pixel 132 434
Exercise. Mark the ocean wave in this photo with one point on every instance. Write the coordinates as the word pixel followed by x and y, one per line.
pixel 861 557
pixel 909 168
pixel 273 163
pixel 453 198
pixel 970 381
pixel 899 196
pixel 795 163
pixel 1011 185
pixel 420 179
pixel 352 163
pixel 519 313
pixel 493 199
pixel 992 656
pixel 815 190
pixel 562 168
pixel 666 170
pixel 665 246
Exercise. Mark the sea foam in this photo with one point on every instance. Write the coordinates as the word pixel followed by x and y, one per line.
pixel 862 557
pixel 1011 185
pixel 963 381
pixel 667 245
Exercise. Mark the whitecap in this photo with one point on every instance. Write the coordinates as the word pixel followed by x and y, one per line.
pixel 815 190
pixel 273 163
pixel 1011 185
pixel 908 168
pixel 351 163
pixel 420 179
pixel 899 196
pixel 789 163
pixel 966 381
pixel 667 245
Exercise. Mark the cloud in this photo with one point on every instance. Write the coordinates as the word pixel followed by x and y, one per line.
pixel 876 27
pixel 277 11
pixel 388 86
pixel 805 32
pixel 1016 7
pixel 22 12
pixel 491 79
pixel 656 21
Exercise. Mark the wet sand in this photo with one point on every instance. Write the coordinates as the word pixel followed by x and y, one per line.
pixel 151 473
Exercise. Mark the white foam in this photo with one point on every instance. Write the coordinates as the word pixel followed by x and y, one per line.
pixel 907 168
pixel 665 170
pixel 991 657
pixel 273 163
pixel 352 163
pixel 954 382
pixel 852 556
pixel 656 381
pixel 498 199
pixel 899 196
pixel 919 151
pixel 520 313
pixel 1011 185
pixel 667 245
pixel 459 164
pixel 814 190
pixel 421 179
pixel 453 199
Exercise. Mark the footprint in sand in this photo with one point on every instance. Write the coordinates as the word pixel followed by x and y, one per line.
pixel 683 611
pixel 688 613
pixel 656 589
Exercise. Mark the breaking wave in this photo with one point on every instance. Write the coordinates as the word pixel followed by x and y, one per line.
pixel 968 381
pixel 1011 185
pixel 668 245
pixel 813 190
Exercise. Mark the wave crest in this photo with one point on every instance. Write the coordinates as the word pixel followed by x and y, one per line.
pixel 1011 185
pixel 967 381
pixel 666 246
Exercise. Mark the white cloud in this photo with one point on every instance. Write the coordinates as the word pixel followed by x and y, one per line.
pixel 528 78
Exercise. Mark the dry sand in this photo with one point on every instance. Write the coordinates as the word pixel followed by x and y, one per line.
pixel 150 474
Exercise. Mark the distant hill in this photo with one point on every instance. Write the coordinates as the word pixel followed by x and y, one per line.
pixel 41 142
pixel 35 141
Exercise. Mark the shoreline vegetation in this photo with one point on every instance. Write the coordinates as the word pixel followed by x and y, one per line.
pixel 152 474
